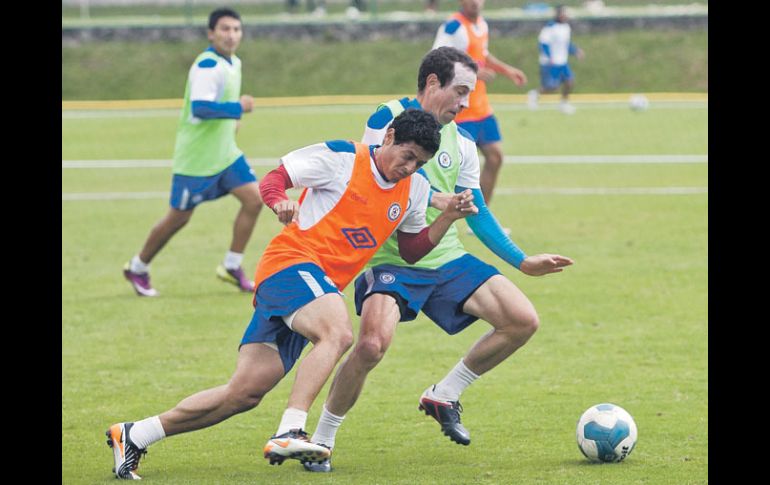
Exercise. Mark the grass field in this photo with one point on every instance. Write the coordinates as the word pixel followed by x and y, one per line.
pixel 626 324
pixel 632 60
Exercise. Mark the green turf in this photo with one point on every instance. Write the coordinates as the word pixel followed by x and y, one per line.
pixel 626 324
pixel 627 61
pixel 271 132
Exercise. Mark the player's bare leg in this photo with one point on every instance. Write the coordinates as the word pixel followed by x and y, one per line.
pixel 231 270
pixel 514 321
pixel 324 322
pixel 136 271
pixel 565 106
pixel 512 316
pixel 258 370
pixel 251 205
pixel 379 316
pixel 162 232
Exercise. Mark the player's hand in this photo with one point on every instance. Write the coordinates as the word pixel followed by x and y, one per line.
pixel 287 211
pixel 517 76
pixel 247 103
pixel 580 54
pixel 486 74
pixel 542 264
pixel 440 200
pixel 461 205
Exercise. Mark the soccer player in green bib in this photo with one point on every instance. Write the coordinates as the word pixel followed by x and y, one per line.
pixel 453 288
pixel 207 162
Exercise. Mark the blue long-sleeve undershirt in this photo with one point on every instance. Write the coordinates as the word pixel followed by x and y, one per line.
pixel 545 49
pixel 207 110
pixel 488 230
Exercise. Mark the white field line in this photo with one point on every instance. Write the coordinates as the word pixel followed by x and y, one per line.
pixel 91 196
pixel 65 196
pixel 600 190
pixel 533 159
pixel 372 99
pixel 367 108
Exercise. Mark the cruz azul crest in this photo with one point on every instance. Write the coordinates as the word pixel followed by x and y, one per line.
pixel 444 160
pixel 394 211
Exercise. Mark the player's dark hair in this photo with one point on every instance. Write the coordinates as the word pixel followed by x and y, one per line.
pixel 418 126
pixel 441 62
pixel 219 13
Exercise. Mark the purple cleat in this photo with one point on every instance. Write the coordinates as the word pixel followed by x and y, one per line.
pixel 236 277
pixel 139 281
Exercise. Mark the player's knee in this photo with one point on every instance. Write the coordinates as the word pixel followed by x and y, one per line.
pixel 243 399
pixel 371 349
pixel 493 158
pixel 175 221
pixel 256 204
pixel 341 338
pixel 520 325
pixel 528 323
pixel 252 205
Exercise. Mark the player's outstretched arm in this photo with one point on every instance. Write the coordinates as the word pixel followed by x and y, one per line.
pixel 514 74
pixel 542 264
pixel 491 233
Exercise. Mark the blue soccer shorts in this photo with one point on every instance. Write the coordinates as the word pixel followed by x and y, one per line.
pixel 188 191
pixel 484 131
pixel 551 77
pixel 439 293
pixel 281 295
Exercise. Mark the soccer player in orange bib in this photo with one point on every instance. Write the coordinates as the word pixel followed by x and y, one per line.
pixel 467 31
pixel 355 196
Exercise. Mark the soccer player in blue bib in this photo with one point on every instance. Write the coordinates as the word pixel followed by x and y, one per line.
pixel 207 162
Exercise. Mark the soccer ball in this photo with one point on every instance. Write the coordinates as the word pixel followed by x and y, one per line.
pixel 606 433
pixel 638 102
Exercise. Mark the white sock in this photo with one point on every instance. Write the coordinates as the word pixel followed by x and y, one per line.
pixel 450 388
pixel 293 418
pixel 138 266
pixel 146 432
pixel 327 428
pixel 233 260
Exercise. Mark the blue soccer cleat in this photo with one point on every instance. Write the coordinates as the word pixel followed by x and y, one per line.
pixel 447 413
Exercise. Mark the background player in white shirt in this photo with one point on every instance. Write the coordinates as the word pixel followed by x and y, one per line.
pixel 555 46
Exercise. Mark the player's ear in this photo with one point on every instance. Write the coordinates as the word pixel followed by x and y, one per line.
pixel 433 80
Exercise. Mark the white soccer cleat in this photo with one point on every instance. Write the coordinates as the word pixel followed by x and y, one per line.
pixel 294 444
pixel 125 452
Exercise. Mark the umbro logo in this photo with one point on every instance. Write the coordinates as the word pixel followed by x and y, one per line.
pixel 358 197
